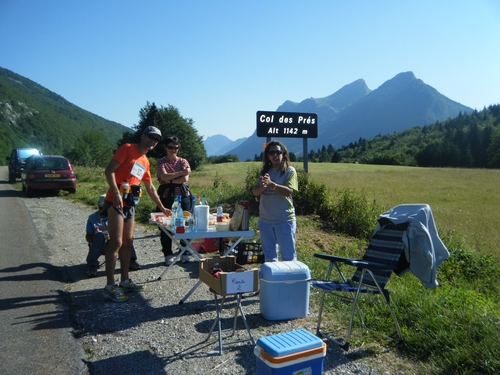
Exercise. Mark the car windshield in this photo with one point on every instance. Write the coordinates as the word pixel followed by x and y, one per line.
pixel 51 163
pixel 23 154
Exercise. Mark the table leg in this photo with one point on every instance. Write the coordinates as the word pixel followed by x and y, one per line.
pixel 245 320
pixel 190 292
pixel 217 322
pixel 233 246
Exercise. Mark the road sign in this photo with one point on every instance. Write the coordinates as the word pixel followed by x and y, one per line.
pixel 287 124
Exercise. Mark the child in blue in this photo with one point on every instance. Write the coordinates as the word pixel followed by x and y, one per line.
pixel 97 237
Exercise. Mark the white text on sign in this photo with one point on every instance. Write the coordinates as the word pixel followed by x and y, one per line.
pixel 287 124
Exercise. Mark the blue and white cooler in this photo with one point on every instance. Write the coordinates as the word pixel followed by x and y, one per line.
pixel 284 290
pixel 290 353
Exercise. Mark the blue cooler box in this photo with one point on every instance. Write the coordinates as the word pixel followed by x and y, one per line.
pixel 284 290
pixel 291 353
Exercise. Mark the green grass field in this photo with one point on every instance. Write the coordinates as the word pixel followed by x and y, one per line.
pixel 464 201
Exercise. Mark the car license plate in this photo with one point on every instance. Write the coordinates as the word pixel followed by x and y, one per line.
pixel 52 175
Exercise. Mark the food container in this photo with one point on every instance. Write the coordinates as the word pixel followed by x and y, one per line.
pixel 167 221
pixel 212 219
pixel 223 226
pixel 156 217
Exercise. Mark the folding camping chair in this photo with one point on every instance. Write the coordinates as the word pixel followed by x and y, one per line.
pixel 385 254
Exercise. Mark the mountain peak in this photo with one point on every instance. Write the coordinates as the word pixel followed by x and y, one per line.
pixel 329 105
pixel 355 112
pixel 400 81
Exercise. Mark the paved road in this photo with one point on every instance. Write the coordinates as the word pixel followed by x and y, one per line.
pixel 35 331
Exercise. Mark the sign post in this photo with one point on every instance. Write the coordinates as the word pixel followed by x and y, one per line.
pixel 288 125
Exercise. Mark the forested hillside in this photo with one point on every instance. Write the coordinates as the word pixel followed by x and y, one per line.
pixel 33 116
pixel 469 140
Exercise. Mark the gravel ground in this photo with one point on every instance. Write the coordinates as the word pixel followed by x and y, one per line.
pixel 152 333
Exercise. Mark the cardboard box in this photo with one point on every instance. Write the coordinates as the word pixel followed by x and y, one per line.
pixel 233 279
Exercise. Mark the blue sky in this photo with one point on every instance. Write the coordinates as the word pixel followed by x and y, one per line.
pixel 219 62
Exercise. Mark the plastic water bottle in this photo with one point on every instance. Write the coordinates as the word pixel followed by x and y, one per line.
pixel 198 201
pixel 204 200
pixel 219 213
pixel 174 205
pixel 193 223
pixel 179 217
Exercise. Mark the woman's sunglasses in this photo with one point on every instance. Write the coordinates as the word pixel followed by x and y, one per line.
pixel 272 153
pixel 173 147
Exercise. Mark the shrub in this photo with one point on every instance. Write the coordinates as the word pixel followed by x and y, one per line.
pixel 352 214
pixel 469 267
pixel 312 197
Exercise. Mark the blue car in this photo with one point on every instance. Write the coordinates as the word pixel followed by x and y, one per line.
pixel 17 161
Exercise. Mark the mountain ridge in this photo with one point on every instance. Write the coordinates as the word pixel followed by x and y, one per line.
pixel 398 104
pixel 31 115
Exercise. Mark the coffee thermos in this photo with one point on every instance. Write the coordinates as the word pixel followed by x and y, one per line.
pixel 245 221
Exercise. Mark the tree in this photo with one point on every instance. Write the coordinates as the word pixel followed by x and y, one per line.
pixel 91 150
pixel 494 149
pixel 171 123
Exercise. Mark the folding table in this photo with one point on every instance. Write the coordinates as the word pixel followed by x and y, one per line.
pixel 189 237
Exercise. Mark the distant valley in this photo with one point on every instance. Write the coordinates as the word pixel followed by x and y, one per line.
pixel 220 144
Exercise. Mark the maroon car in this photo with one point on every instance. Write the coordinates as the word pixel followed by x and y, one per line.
pixel 48 172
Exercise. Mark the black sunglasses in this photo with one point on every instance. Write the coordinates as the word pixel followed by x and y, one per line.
pixel 153 138
pixel 173 147
pixel 277 152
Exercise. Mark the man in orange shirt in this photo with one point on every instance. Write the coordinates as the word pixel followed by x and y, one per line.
pixel 129 163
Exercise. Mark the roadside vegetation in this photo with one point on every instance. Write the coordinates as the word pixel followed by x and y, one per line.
pixel 453 328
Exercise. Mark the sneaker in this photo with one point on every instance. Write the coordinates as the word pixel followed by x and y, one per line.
pixel 115 294
pixel 134 266
pixel 185 258
pixel 92 271
pixel 169 259
pixel 132 287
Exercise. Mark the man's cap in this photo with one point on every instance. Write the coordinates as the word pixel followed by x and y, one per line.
pixel 100 202
pixel 152 130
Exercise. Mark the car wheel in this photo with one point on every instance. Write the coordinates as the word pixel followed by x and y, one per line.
pixel 29 192
pixel 12 178
pixel 72 191
pixel 24 188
